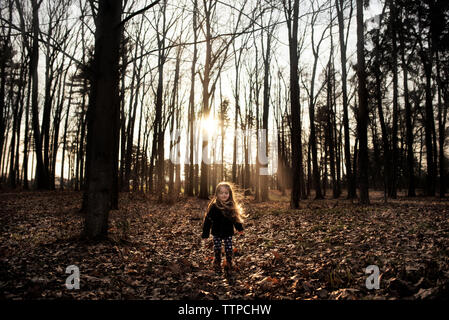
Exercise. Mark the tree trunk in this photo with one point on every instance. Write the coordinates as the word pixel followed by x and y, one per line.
pixel 57 122
pixel 442 114
pixel 135 86
pixel 266 98
pixel 429 128
pixel 103 118
pixel 42 175
pixel 26 142
pixel 295 108
pixel 330 129
pixel 408 122
pixel 362 108
pixel 394 140
pixel 204 189
pixel 64 141
pixel 190 180
pixel 350 181
pixel 158 136
pixel 385 142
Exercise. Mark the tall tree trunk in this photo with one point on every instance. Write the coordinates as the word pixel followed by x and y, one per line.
pixel 175 116
pixel 237 110
pixel 133 100
pixel 17 118
pixel 3 59
pixel 124 61
pixel 442 114
pixel 295 108
pixel 160 136
pixel 48 98
pixel 408 122
pixel 204 189
pixel 64 140
pixel 257 105
pixel 429 128
pixel 103 118
pixel 57 122
pixel 350 181
pixel 42 175
pixel 136 184
pixel 362 108
pixel 394 140
pixel 337 135
pixel 385 142
pixel 159 106
pixel 330 128
pixel 26 142
pixel 190 180
pixel 266 106
pixel 309 168
pixel 313 144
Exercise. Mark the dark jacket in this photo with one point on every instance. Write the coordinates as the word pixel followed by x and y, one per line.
pixel 221 225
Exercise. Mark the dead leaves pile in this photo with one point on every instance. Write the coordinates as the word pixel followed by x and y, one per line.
pixel 154 251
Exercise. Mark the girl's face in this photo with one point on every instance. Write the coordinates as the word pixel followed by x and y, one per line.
pixel 223 194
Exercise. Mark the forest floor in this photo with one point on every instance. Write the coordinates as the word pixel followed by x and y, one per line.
pixel 154 251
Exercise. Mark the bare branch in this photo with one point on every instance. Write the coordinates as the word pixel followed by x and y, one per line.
pixel 132 15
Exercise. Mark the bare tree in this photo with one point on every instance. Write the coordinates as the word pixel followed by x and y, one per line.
pixel 214 62
pixel 350 180
pixel 190 180
pixel 313 96
pixel 291 10
pixel 103 112
pixel 103 117
pixel 362 115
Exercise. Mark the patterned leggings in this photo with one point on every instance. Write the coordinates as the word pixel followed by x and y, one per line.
pixel 227 245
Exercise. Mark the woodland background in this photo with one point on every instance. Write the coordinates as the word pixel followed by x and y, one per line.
pixel 92 94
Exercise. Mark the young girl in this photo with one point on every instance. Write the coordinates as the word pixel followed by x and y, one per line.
pixel 222 215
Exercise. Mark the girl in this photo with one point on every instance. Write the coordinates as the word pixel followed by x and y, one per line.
pixel 222 215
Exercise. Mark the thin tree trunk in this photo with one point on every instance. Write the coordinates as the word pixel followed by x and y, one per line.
pixel 64 142
pixel 330 130
pixel 135 85
pixel 204 190
pixel 350 181
pixel 394 140
pixel 266 98
pixel 26 142
pixel 362 108
pixel 57 123
pixel 441 128
pixel 429 128
pixel 408 122
pixel 190 180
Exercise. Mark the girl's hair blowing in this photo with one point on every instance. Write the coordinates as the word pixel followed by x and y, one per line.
pixel 231 208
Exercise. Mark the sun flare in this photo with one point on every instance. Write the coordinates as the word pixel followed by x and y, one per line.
pixel 210 125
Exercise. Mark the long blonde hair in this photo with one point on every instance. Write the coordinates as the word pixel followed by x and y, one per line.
pixel 231 208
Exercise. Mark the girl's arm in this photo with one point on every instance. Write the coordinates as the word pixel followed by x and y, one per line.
pixel 206 226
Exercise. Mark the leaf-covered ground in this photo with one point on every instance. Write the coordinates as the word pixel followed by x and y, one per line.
pixel 155 252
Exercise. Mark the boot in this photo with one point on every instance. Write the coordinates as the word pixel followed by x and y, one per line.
pixel 217 261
